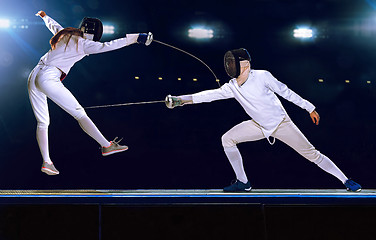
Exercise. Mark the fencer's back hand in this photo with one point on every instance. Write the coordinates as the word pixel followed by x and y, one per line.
pixel 172 101
pixel 145 38
pixel 315 117
pixel 40 14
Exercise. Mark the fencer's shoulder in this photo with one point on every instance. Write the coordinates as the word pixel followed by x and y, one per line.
pixel 261 72
pixel 87 43
pixel 84 40
pixel 231 82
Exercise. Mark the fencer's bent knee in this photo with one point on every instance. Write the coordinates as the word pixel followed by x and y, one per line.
pixel 227 141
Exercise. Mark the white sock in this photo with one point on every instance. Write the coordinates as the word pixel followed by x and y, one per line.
pixel 236 162
pixel 42 138
pixel 89 127
pixel 328 166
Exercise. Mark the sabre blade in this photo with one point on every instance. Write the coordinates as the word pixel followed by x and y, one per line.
pixel 124 104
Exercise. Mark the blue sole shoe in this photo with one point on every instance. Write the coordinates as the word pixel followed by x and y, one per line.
pixel 352 186
pixel 238 186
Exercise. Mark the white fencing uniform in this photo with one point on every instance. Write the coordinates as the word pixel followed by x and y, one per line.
pixel 269 119
pixel 45 81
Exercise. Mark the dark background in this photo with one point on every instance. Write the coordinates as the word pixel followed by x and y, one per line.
pixel 181 148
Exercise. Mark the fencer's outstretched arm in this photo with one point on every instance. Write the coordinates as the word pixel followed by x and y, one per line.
pixel 51 24
pixel 223 92
pixel 92 47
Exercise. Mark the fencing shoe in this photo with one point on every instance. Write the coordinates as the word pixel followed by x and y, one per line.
pixel 352 186
pixel 113 148
pixel 238 186
pixel 49 169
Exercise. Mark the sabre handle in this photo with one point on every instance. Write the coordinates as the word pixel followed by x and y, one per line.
pixel 172 101
pixel 176 101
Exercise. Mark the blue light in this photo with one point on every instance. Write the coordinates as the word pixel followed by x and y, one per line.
pixel 4 23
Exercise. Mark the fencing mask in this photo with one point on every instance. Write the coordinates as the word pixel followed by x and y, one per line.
pixel 92 28
pixel 232 61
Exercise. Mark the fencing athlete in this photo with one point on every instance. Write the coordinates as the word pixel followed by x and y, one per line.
pixel 68 46
pixel 256 91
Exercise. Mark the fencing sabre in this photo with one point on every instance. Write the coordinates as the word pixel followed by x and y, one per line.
pixel 166 101
pixel 124 104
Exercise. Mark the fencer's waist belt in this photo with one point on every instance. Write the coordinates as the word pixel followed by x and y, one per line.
pixel 63 74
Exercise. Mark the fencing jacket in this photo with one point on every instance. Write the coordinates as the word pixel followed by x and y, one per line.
pixel 257 97
pixel 65 56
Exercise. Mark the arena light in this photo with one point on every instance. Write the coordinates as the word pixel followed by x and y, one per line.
pixel 4 23
pixel 108 29
pixel 303 33
pixel 200 33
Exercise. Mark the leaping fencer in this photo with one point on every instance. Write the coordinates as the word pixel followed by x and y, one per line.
pixel 68 46
pixel 256 91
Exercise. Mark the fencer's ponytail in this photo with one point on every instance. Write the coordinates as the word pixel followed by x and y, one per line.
pixel 66 32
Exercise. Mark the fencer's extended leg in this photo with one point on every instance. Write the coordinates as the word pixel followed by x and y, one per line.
pixel 108 148
pixel 328 166
pixel 289 133
pixel 50 85
pixel 89 127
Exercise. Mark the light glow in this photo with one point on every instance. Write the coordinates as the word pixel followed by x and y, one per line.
pixel 108 29
pixel 303 33
pixel 200 33
pixel 4 23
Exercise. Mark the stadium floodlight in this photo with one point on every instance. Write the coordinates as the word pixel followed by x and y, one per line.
pixel 4 23
pixel 108 29
pixel 303 33
pixel 200 33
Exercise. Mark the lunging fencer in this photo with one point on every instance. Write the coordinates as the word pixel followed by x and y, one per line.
pixel 68 46
pixel 256 91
